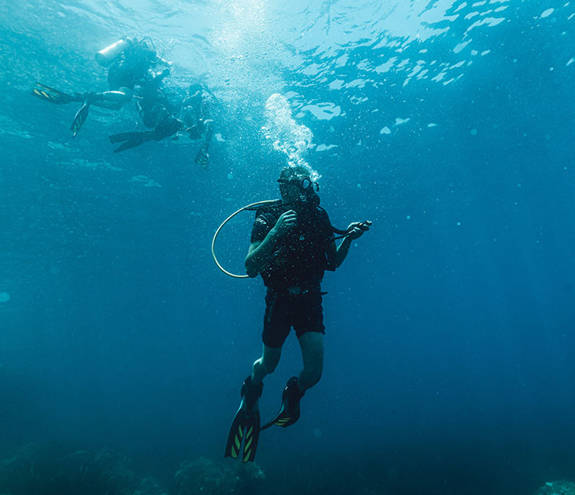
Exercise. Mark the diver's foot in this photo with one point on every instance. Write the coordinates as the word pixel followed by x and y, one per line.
pixel 251 392
pixel 54 96
pixel 291 397
pixel 80 118
pixel 290 408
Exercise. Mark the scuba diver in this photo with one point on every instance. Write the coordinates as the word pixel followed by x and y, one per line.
pixel 292 244
pixel 158 111
pixel 129 62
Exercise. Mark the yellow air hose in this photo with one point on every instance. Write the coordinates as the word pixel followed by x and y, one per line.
pixel 247 207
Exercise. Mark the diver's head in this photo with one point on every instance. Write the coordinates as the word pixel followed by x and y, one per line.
pixel 142 51
pixel 297 186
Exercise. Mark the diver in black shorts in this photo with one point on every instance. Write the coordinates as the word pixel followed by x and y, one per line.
pixel 292 245
pixel 167 114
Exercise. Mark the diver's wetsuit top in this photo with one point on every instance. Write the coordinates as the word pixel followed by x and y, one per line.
pixel 302 254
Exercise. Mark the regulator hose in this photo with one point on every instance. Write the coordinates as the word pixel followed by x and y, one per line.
pixel 253 206
pixel 243 208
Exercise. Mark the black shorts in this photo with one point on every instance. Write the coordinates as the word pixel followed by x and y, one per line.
pixel 302 312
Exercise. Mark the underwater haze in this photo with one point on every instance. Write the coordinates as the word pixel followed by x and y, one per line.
pixel 450 344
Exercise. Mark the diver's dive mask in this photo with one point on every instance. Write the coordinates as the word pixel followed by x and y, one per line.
pixel 308 189
pixel 304 184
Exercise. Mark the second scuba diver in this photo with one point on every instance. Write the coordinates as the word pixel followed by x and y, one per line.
pixel 129 62
pixel 131 67
pixel 292 244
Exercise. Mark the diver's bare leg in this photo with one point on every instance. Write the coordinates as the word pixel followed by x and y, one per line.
pixel 267 363
pixel 311 344
pixel 113 100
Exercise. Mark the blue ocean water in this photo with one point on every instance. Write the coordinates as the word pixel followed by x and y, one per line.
pixel 449 344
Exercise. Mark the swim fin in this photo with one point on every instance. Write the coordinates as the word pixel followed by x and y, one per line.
pixel 80 118
pixel 53 95
pixel 245 430
pixel 203 157
pixel 290 409
pixel 128 139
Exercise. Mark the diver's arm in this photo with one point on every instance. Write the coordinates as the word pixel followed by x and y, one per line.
pixel 337 254
pixel 260 254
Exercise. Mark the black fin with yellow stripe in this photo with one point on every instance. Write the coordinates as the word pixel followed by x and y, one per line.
pixel 130 139
pixel 245 430
pixel 53 95
pixel 243 436
pixel 290 409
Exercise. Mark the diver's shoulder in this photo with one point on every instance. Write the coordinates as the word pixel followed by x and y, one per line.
pixel 271 206
pixel 321 212
pixel 269 210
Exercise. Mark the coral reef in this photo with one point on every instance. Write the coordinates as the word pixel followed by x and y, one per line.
pixel 44 471
pixel 41 470
pixel 557 488
pixel 207 477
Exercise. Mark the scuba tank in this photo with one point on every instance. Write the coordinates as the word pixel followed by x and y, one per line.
pixel 107 55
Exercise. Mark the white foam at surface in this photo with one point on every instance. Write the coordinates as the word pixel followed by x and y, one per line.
pixel 458 48
pixel 386 65
pixel 489 21
pixel 323 111
pixel 356 83
pixel 337 84
pixel 422 74
pixel 439 77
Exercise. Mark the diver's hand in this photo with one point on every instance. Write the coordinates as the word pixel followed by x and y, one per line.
pixel 356 229
pixel 286 222
pixel 203 157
